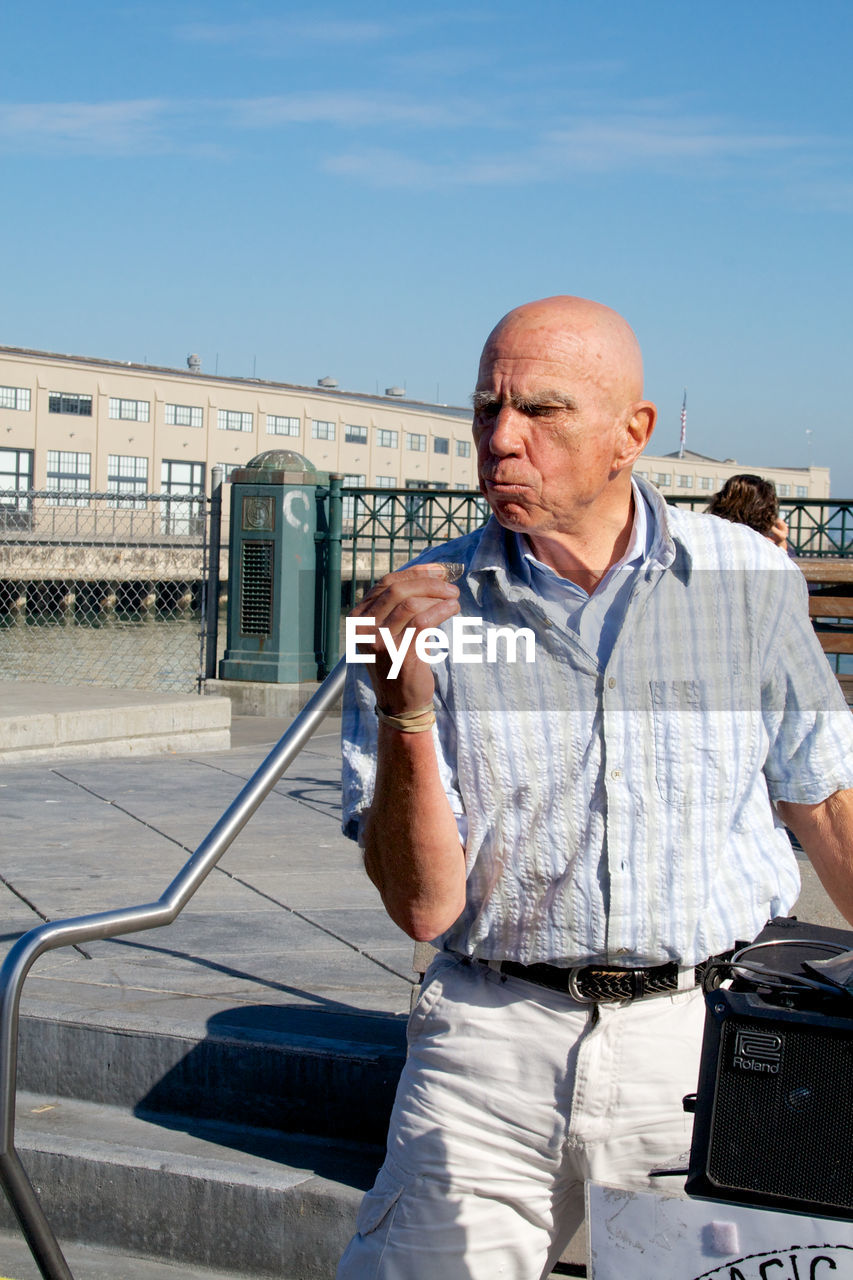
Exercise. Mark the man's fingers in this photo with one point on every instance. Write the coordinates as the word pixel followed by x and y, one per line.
pixel 407 593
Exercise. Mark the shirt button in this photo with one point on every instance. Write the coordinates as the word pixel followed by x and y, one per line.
pixel 611 683
pixel 616 773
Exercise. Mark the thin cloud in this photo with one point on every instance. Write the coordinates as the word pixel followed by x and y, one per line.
pixel 587 146
pixel 275 36
pixel 84 126
pixel 347 110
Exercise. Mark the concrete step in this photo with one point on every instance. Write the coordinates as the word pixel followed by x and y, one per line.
pixel 55 722
pixel 324 1074
pixel 195 1192
pixel 91 1263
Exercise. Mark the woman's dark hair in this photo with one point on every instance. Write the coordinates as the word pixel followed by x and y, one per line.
pixel 747 500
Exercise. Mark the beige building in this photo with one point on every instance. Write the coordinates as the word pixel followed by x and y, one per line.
pixel 78 424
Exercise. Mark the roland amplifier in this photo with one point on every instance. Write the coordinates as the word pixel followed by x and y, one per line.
pixel 774 1108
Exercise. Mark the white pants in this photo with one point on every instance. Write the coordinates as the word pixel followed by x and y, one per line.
pixel 511 1096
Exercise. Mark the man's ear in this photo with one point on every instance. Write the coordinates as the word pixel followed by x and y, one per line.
pixel 636 433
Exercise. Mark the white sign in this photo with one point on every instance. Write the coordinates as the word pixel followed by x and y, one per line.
pixel 644 1235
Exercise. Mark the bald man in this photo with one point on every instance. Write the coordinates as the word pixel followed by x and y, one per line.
pixel 580 832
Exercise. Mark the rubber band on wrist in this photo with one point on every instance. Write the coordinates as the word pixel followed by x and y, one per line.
pixel 417 721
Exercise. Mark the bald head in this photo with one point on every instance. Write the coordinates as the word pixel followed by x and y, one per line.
pixel 559 420
pixel 584 333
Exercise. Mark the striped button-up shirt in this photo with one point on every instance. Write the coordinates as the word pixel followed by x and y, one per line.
pixel 617 808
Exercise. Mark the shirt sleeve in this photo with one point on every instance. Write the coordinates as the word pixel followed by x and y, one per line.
pixel 809 725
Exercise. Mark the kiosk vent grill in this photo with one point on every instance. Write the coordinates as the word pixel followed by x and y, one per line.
pixel 256 589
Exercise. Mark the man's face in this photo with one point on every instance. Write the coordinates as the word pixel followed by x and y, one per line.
pixel 548 425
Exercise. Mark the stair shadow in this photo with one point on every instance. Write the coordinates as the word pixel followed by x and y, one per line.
pixel 281 1083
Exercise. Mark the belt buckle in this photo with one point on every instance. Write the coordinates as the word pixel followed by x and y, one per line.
pixel 574 990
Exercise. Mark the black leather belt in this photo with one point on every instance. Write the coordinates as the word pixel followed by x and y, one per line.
pixel 599 985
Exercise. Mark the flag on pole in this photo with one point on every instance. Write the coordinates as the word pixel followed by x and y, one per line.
pixel 683 424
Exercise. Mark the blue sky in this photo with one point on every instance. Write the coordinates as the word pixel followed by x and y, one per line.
pixel 361 190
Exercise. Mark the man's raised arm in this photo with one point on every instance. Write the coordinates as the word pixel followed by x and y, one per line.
pixel 412 850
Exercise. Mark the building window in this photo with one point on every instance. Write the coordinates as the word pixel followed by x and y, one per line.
pixel 643 475
pixel 351 499
pixel 234 420
pixel 355 435
pixel 126 474
pixel 131 410
pixel 184 415
pixel 662 477
pixel 463 448
pixel 783 490
pixel 706 482
pixel 386 439
pixel 279 426
pixel 227 468
pixel 801 491
pixel 16 480
pixel 67 402
pixel 182 480
pixel 384 506
pixel 69 473
pixel 462 488
pixel 685 482
pixel 440 444
pixel 14 397
pixel 321 430
pixel 415 442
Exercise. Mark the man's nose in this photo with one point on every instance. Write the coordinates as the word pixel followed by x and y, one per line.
pixel 507 435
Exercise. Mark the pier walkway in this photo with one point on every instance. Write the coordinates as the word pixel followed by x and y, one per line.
pixel 212 1094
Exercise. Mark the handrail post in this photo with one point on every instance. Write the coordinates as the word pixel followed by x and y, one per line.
pixel 212 585
pixel 334 538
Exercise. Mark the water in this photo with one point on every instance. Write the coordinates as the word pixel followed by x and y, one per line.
pixel 141 652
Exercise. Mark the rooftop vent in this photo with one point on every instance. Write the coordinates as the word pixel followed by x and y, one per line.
pixel 327 382
pixel 194 363
pixel 399 392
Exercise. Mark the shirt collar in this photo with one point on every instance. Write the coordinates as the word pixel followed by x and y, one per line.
pixel 499 549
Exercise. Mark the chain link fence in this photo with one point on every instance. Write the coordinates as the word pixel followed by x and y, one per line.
pixel 103 588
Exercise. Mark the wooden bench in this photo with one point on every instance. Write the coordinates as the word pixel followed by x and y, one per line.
pixel 831 609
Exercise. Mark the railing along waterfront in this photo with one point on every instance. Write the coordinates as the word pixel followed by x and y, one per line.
pixel 384 528
pixel 105 588
pixel 816 529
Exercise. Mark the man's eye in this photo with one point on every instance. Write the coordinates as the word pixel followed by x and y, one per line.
pixel 487 412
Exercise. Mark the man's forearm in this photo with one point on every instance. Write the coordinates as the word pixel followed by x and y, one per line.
pixel 825 831
pixel 412 850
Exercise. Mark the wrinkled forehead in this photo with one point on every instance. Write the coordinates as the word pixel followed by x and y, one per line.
pixel 564 346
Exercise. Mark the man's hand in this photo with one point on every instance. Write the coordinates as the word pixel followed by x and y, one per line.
pixel 415 599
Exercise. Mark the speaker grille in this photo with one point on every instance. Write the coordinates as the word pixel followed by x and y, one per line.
pixel 783 1112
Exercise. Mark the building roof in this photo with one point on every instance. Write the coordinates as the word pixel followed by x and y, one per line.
pixel 453 411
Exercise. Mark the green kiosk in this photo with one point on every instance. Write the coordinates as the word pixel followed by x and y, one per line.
pixel 273 570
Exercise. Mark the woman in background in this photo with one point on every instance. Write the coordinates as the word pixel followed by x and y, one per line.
pixel 747 499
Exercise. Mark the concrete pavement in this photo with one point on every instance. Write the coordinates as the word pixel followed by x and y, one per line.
pixel 286 946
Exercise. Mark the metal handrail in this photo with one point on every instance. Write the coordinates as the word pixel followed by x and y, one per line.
pixel 110 924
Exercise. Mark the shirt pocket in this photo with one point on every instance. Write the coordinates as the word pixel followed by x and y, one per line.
pixel 693 751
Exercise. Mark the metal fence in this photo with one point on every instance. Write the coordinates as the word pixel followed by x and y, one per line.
pixel 384 528
pixel 816 530
pixel 103 588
